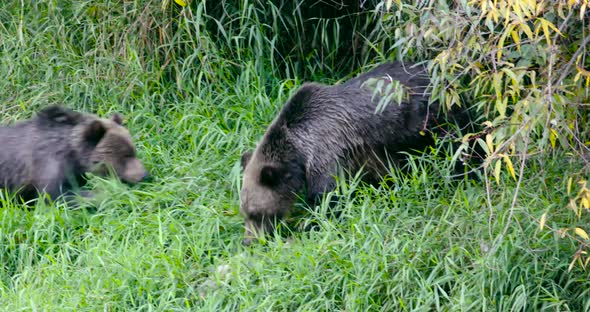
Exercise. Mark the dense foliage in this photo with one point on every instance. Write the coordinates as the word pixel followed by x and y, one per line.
pixel 198 81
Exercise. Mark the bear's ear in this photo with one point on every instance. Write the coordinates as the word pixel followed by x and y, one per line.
pixel 270 175
pixel 117 118
pixel 94 132
pixel 246 159
pixel 59 114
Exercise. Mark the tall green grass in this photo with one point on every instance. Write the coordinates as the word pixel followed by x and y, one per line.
pixel 198 87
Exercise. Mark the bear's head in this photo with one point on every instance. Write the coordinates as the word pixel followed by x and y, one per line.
pixel 100 145
pixel 113 149
pixel 271 182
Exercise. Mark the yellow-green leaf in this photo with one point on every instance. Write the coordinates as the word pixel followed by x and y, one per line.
pixel 490 142
pixel 553 137
pixel 569 185
pixel 582 71
pixel 546 30
pixel 509 166
pixel 497 169
pixel 555 29
pixel 503 39
pixel 571 266
pixel 516 39
pixel 182 3
pixel 517 10
pixel 574 207
pixel 545 24
pixel 582 233
pixel 501 105
pixel 527 30
pixel 543 220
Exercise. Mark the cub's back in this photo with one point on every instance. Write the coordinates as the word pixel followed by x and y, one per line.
pixel 15 153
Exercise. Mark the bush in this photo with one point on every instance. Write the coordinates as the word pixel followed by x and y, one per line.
pixel 522 65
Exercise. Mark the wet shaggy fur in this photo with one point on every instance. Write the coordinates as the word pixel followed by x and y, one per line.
pixel 52 151
pixel 322 127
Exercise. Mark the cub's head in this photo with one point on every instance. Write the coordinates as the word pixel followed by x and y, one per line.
pixel 269 190
pixel 109 146
pixel 99 145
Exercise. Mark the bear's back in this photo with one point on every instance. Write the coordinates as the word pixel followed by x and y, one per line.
pixel 410 75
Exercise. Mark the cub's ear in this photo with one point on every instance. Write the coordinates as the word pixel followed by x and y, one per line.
pixel 60 115
pixel 246 159
pixel 270 176
pixel 117 118
pixel 94 132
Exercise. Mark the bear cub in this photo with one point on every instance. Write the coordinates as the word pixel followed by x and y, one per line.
pixel 52 151
pixel 322 127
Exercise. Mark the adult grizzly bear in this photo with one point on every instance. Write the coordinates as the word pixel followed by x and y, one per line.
pixel 51 152
pixel 322 127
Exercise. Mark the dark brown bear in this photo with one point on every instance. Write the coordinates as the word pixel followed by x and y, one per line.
pixel 51 152
pixel 322 127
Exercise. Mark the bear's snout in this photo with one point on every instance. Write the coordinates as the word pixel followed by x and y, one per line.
pixel 135 172
pixel 247 241
pixel 147 177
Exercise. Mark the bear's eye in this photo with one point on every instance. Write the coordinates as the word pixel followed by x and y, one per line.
pixel 128 154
